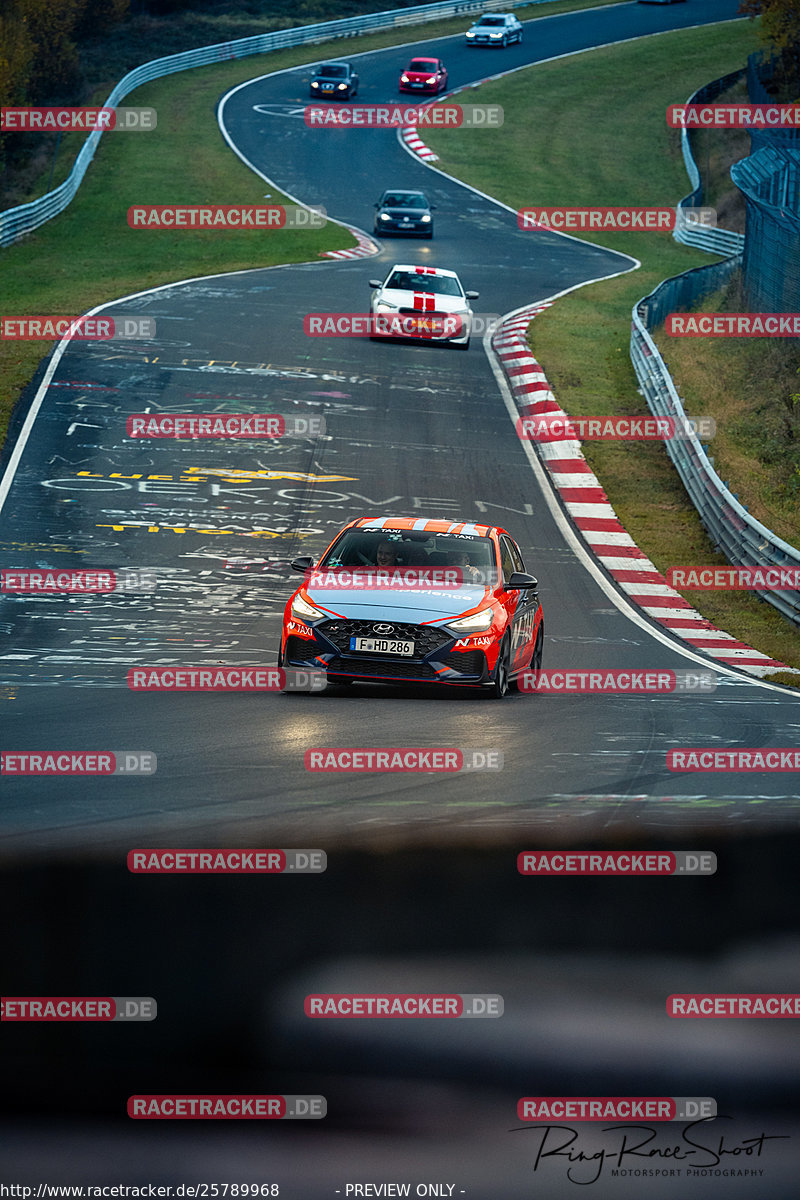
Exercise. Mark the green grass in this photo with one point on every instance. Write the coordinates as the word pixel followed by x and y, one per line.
pixel 591 130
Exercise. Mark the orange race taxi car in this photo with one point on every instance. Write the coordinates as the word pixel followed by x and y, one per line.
pixel 411 600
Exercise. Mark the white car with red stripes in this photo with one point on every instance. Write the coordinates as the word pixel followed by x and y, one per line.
pixel 424 303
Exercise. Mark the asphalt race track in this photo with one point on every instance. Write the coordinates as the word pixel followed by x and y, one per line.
pixel 410 430
pixel 421 883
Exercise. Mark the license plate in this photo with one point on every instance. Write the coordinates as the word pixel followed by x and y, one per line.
pixel 382 646
pixel 416 84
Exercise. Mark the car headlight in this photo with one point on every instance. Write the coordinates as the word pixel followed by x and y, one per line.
pixel 404 79
pixel 342 87
pixel 305 611
pixel 382 306
pixel 475 623
pixel 385 217
pixel 314 83
pixel 425 217
pixel 470 33
pixel 495 35
pixel 431 80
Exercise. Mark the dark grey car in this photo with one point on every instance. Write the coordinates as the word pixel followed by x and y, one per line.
pixel 400 211
pixel 334 81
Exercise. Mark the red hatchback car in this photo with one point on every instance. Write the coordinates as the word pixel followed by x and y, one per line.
pixel 410 600
pixel 424 75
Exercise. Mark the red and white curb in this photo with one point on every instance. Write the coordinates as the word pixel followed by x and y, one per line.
pixel 365 248
pixel 417 146
pixel 587 504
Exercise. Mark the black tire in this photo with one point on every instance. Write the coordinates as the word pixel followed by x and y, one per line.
pixel 462 345
pixel 538 649
pixel 428 235
pixel 519 38
pixel 499 687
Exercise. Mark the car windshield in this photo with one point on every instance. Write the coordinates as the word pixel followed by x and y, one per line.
pixel 423 64
pixel 492 21
pixel 333 71
pixel 404 200
pixel 410 281
pixel 357 548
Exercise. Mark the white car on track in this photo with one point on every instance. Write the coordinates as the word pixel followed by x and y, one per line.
pixel 426 303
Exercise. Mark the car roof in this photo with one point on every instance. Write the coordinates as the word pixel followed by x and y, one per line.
pixel 424 58
pixel 334 62
pixel 418 270
pixel 404 191
pixel 426 525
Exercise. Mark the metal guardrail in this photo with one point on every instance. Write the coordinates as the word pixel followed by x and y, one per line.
pixel 770 182
pixel 716 241
pixel 16 222
pixel 740 537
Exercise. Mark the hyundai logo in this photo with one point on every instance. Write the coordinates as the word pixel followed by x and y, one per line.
pixel 383 628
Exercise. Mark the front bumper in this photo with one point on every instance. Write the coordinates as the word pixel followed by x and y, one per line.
pixel 435 658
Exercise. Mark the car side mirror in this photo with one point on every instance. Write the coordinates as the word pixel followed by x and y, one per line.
pixel 375 283
pixel 304 563
pixel 432 207
pixel 472 295
pixel 519 581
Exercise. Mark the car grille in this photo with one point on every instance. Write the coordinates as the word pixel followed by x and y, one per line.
pixel 401 668
pixel 469 662
pixel 426 638
pixel 417 312
pixel 300 650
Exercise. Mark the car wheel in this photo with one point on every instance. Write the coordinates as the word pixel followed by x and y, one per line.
pixel 504 42
pixel 463 345
pixel 500 682
pixel 519 38
pixel 538 649
pixel 428 235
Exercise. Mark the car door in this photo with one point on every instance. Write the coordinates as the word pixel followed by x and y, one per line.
pixel 523 607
